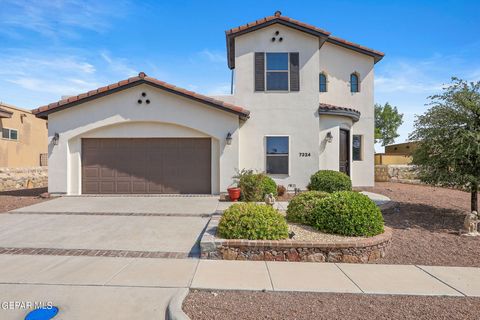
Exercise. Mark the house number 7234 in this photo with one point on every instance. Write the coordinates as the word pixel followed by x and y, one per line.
pixel 304 154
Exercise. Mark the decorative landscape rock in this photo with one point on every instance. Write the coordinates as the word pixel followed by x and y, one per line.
pixel 396 173
pixel 352 251
pixel 470 224
pixel 23 178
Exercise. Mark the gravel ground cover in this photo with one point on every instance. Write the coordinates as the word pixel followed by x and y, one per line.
pixel 308 233
pixel 425 222
pixel 10 200
pixel 246 305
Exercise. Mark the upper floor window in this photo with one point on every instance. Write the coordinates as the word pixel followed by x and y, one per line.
pixel 354 83
pixel 277 71
pixel 10 134
pixel 323 82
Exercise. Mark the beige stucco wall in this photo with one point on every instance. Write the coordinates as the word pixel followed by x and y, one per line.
pixel 295 114
pixel 338 64
pixel 119 115
pixel 32 139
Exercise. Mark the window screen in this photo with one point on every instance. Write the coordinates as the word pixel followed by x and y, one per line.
pixel 357 148
pixel 277 71
pixel 277 155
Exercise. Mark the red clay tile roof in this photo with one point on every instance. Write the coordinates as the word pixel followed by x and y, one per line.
pixel 278 18
pixel 325 108
pixel 142 78
pixel 341 41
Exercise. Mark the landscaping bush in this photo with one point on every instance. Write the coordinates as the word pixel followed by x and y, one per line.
pixel 347 213
pixel 300 208
pixel 255 186
pixel 252 221
pixel 330 181
pixel 281 190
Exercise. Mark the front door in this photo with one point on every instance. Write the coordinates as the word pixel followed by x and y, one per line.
pixel 345 151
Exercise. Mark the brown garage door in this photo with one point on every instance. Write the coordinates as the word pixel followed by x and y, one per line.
pixel 151 165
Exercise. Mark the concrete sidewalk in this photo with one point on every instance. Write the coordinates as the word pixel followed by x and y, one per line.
pixel 132 288
pixel 337 277
pixel 243 275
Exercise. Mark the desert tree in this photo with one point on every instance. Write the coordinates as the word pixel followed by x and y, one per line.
pixel 448 152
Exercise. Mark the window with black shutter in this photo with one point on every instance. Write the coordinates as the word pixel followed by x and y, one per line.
pixel 277 71
pixel 259 71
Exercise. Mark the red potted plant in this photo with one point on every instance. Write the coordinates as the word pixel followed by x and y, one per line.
pixel 234 193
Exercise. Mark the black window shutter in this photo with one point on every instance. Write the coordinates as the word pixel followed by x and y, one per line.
pixel 259 71
pixel 294 72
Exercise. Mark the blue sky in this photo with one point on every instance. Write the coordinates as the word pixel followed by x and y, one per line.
pixel 52 48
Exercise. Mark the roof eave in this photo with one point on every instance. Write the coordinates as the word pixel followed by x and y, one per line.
pixel 44 114
pixel 353 115
pixel 232 35
pixel 377 56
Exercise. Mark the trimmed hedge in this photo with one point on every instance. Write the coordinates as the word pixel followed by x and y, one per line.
pixel 253 222
pixel 255 186
pixel 300 208
pixel 348 213
pixel 330 181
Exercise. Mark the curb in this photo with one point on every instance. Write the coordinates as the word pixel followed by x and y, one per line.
pixel 174 308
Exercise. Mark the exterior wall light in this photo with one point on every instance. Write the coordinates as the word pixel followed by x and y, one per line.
pixel 329 137
pixel 55 139
pixel 229 139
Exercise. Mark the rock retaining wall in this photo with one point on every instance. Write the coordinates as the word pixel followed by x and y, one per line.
pixel 396 173
pixel 23 178
pixel 358 251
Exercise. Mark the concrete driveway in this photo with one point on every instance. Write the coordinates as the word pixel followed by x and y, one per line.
pixel 166 226
pixel 87 255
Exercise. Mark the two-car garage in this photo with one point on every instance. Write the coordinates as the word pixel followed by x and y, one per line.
pixel 146 166
pixel 142 136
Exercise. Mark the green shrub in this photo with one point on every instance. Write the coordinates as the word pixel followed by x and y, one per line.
pixel 347 213
pixel 255 186
pixel 252 221
pixel 300 207
pixel 267 185
pixel 330 181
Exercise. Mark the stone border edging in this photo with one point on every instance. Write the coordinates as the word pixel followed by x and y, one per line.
pixel 360 251
pixel 174 308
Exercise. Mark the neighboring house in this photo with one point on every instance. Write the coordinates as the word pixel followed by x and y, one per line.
pixel 399 153
pixel 303 101
pixel 24 138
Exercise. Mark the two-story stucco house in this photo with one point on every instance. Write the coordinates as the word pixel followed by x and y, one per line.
pixel 302 101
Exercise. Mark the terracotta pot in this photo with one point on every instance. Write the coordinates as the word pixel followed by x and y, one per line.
pixel 234 193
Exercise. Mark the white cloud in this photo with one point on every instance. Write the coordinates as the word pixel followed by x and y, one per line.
pixel 218 89
pixel 119 66
pixel 58 18
pixel 214 56
pixel 407 82
pixel 34 78
pixel 60 88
